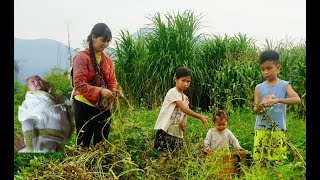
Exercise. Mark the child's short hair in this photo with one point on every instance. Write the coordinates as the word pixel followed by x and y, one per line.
pixel 269 55
pixel 183 72
pixel 220 114
pixel 47 84
pixel 34 76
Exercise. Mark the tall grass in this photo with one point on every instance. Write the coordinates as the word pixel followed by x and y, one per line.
pixel 225 68
pixel 155 57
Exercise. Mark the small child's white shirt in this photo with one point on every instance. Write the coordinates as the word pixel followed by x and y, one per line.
pixel 217 140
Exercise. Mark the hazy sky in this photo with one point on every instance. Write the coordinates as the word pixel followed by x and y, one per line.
pixel 258 19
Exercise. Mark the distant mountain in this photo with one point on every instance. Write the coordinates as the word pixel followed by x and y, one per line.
pixel 142 32
pixel 38 56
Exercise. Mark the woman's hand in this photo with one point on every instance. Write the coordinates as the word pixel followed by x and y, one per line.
pixel 106 93
pixel 119 93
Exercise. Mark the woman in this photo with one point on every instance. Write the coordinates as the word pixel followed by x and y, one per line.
pixel 94 82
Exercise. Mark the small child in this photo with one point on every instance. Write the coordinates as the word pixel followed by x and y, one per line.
pixel 44 118
pixel 219 137
pixel 172 119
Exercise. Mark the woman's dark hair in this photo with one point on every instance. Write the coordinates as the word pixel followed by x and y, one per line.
pixel 183 72
pixel 98 30
pixel 220 114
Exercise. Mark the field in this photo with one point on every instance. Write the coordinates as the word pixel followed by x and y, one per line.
pixel 225 72
pixel 130 154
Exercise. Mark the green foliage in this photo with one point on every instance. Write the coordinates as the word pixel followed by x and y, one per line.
pixel 225 68
pixel 133 156
pixel 19 93
pixel 58 79
pixel 153 58
pixel 34 164
pixel 17 87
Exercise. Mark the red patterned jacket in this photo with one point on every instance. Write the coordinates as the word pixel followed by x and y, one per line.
pixel 83 72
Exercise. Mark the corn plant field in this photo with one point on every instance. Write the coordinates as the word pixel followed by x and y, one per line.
pixel 225 73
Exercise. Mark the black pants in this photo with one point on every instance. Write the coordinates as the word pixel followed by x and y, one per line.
pixel 98 127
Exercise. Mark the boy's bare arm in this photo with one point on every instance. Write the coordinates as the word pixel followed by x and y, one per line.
pixel 293 98
pixel 257 108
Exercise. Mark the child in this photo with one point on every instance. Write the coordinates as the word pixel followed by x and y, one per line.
pixel 172 119
pixel 273 94
pixel 45 122
pixel 219 137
